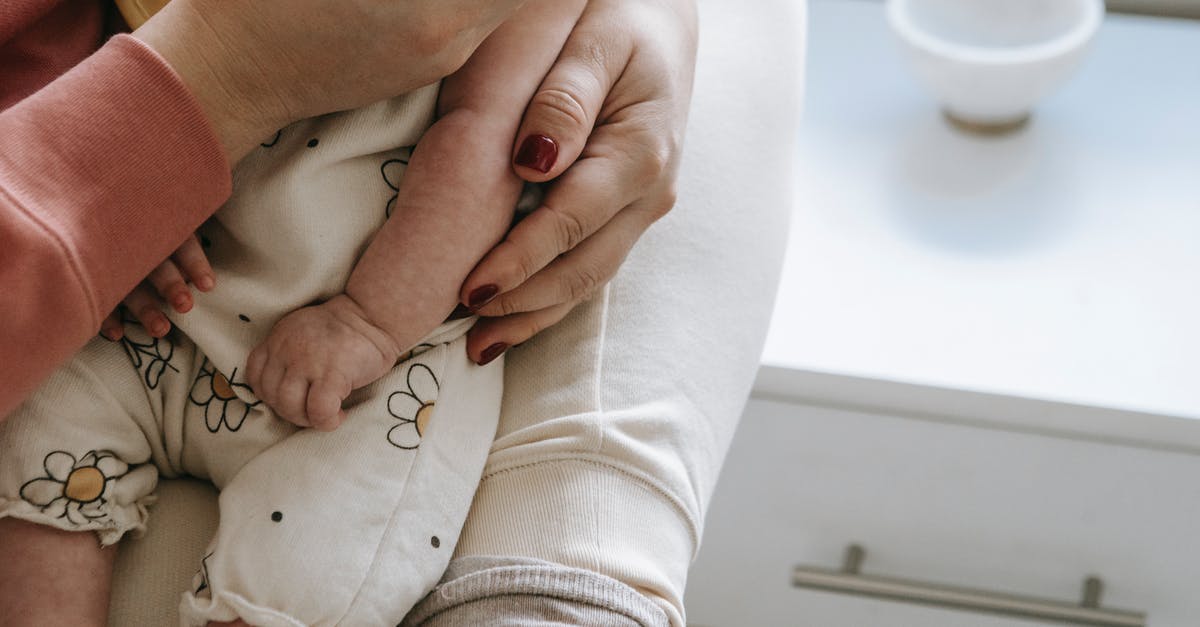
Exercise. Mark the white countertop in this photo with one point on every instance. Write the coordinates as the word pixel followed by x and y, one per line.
pixel 1060 263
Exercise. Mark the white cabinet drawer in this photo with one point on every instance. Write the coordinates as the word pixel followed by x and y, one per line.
pixel 968 506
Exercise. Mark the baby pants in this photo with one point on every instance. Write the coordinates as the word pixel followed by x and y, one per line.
pixel 348 527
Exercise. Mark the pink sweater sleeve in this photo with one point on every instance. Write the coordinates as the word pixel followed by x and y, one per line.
pixel 102 173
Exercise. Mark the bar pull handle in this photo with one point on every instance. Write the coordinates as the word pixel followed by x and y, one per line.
pixel 850 580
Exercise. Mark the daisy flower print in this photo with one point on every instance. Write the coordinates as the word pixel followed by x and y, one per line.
pixel 216 394
pixel 413 407
pixel 76 490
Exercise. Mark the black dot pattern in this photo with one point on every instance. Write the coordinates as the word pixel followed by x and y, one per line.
pixel 276 516
pixel 435 542
pixel 312 143
pixel 243 317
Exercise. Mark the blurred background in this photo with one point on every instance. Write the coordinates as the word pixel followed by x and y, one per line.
pixel 1170 8
pixel 984 363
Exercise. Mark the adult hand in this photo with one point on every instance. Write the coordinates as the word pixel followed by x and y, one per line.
pixel 257 66
pixel 605 129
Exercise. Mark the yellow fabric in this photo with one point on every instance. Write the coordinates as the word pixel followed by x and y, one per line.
pixel 136 12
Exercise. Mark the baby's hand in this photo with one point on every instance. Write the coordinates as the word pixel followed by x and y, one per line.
pixel 314 357
pixel 166 284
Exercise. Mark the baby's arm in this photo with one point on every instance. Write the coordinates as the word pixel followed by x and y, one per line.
pixel 455 203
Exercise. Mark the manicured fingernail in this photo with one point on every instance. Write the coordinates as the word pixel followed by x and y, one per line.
pixel 538 152
pixel 481 296
pixel 205 282
pixel 460 312
pixel 492 352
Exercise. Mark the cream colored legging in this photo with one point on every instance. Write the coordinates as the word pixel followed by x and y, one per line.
pixel 616 421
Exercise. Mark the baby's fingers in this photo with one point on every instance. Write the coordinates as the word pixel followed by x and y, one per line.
pixel 254 369
pixel 325 402
pixel 111 327
pixel 266 379
pixel 170 284
pixel 292 398
pixel 192 261
pixel 145 305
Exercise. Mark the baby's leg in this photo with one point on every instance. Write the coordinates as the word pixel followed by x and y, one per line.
pixel 75 474
pixel 52 577
pixel 353 526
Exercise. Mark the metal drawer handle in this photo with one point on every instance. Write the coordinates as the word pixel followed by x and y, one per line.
pixel 849 580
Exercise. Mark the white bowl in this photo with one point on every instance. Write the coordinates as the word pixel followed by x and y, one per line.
pixel 989 61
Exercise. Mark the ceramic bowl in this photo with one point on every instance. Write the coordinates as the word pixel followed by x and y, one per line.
pixel 990 61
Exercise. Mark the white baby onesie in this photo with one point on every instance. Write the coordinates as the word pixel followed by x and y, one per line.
pixel 350 527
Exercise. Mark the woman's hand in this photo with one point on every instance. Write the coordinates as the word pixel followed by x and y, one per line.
pixel 257 66
pixel 605 129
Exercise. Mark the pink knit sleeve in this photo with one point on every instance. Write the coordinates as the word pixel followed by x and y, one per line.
pixel 102 173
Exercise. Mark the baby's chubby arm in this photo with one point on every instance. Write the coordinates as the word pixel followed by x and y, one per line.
pixel 455 203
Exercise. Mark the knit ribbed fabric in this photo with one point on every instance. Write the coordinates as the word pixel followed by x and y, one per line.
pixel 102 173
pixel 42 39
pixel 112 157
pixel 511 592
pixel 589 515
pixel 616 421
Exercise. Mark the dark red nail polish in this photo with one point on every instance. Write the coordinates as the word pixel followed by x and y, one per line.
pixel 492 352
pixel 481 296
pixel 538 152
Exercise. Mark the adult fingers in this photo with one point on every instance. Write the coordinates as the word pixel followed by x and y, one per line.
pixel 573 209
pixel 169 282
pixel 146 306
pixel 577 275
pixel 491 337
pixel 190 258
pixel 563 111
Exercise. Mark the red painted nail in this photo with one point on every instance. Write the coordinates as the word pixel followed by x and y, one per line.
pixel 538 152
pixel 492 352
pixel 481 296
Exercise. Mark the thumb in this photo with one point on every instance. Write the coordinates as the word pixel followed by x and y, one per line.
pixel 562 113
